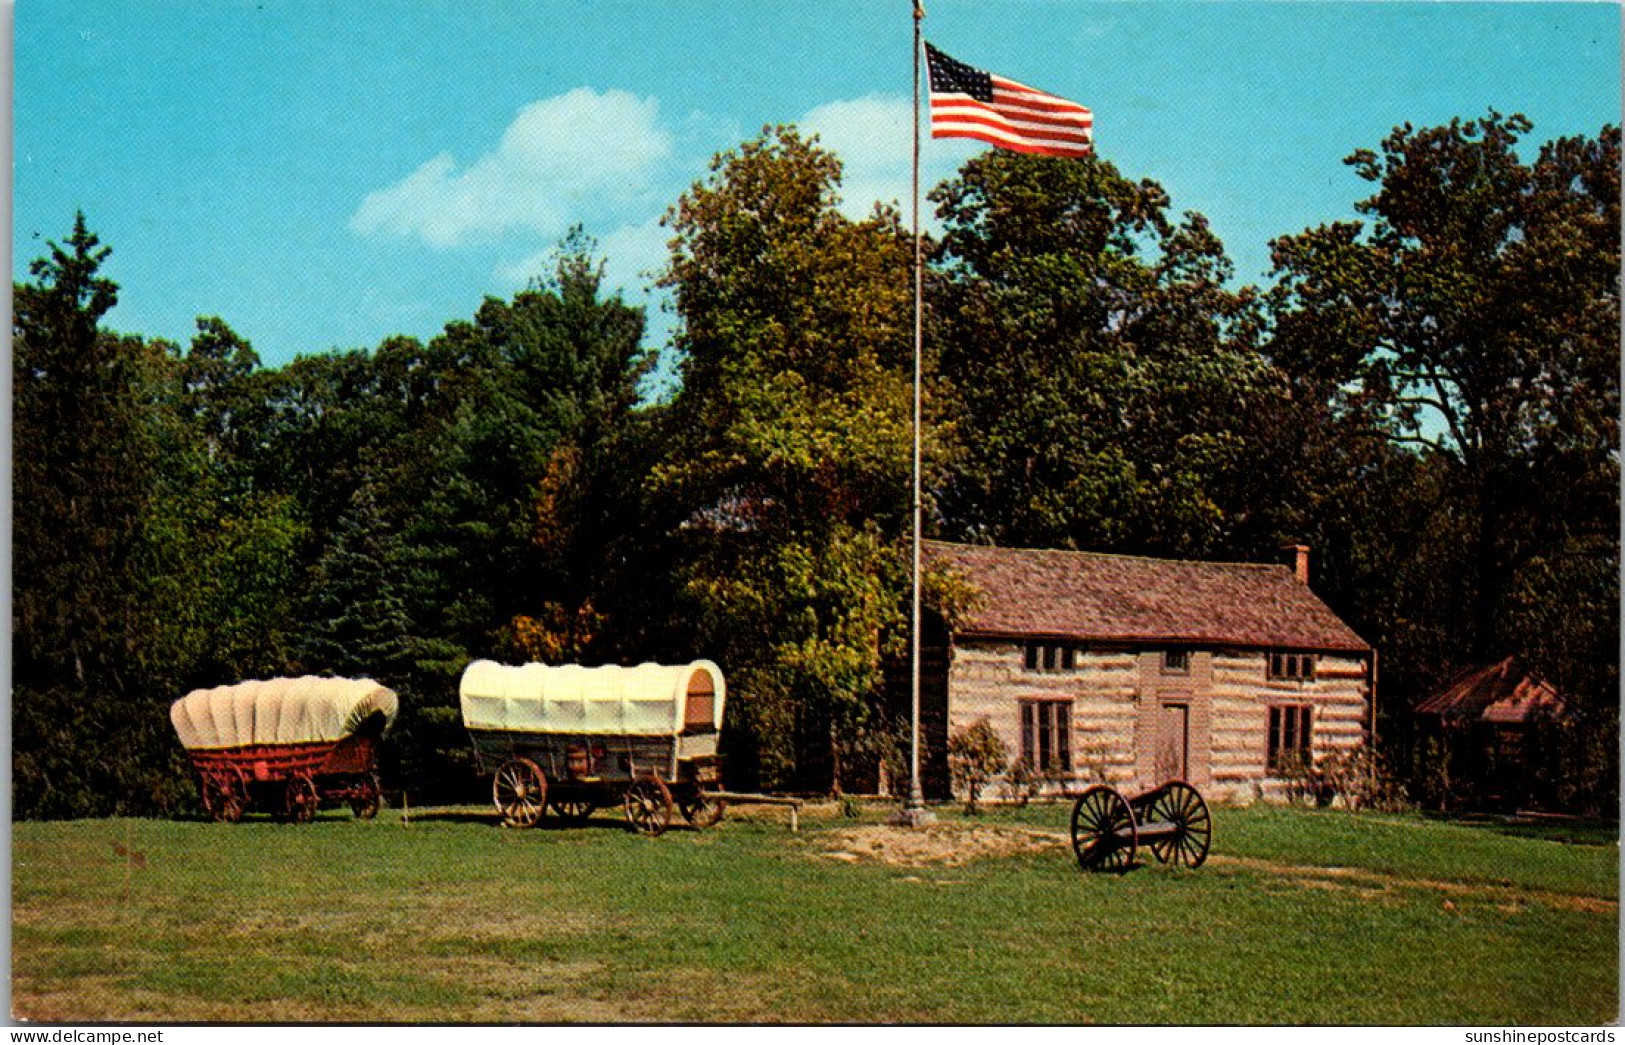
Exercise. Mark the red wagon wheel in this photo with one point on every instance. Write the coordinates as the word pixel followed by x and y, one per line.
pixel 302 799
pixel 520 792
pixel 1180 804
pixel 701 809
pixel 225 793
pixel 648 806
pixel 1104 835
pixel 366 798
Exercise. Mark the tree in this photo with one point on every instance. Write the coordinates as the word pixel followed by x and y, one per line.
pixel 976 756
pixel 81 470
pixel 785 470
pixel 89 732
pixel 223 551
pixel 1476 323
pixel 576 359
pixel 1097 371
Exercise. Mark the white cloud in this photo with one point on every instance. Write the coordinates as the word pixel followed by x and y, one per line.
pixel 874 138
pixel 562 158
pixel 633 255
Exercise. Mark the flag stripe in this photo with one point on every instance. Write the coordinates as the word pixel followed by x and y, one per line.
pixel 1009 92
pixel 948 128
pixel 967 102
pixel 950 110
pixel 1015 142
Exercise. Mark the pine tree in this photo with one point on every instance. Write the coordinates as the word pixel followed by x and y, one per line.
pixel 357 624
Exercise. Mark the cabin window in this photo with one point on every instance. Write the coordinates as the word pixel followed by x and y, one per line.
pixel 1294 667
pixel 1046 735
pixel 1176 662
pixel 1290 735
pixel 1050 656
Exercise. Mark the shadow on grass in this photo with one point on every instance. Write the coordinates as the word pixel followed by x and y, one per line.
pixel 602 820
pixel 1548 827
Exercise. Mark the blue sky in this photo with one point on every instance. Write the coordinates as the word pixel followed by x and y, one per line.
pixel 327 174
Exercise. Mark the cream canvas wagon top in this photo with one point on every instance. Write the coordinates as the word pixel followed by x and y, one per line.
pixel 648 700
pixel 279 711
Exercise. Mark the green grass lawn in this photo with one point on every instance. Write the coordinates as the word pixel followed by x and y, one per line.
pixel 1299 917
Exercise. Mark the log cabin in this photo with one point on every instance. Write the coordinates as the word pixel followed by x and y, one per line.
pixel 1133 670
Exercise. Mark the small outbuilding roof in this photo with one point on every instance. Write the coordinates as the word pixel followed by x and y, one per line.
pixel 1089 596
pixel 1502 692
pixel 304 710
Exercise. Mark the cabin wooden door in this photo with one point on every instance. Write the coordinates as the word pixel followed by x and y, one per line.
pixel 1173 742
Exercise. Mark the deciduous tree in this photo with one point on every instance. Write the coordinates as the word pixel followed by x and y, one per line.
pixel 786 471
pixel 1476 322
pixel 1098 371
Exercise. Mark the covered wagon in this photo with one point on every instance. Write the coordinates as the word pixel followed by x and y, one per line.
pixel 574 738
pixel 290 744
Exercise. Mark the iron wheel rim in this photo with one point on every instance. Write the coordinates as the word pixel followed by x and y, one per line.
pixel 519 791
pixel 1104 835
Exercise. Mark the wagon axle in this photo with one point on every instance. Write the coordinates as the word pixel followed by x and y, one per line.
pixel 1108 829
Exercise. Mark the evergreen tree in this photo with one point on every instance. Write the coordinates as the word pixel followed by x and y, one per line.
pixel 355 618
pixel 89 731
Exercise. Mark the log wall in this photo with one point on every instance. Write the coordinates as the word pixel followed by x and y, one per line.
pixel 1121 705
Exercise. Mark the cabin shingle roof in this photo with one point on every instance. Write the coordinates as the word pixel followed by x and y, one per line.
pixel 1089 596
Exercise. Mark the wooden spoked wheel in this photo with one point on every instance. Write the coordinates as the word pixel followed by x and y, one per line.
pixel 302 799
pixel 648 806
pixel 365 801
pixel 520 792
pixel 1104 835
pixel 1180 804
pixel 573 811
pixel 700 809
pixel 225 793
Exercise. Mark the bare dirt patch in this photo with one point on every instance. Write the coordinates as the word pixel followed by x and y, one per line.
pixel 947 844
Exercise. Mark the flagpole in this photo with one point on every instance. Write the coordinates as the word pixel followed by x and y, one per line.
pixel 914 812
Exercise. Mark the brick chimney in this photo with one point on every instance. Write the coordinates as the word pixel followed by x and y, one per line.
pixel 1300 561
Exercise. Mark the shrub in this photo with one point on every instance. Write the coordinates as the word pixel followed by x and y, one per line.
pixel 975 757
pixel 1304 785
pixel 1363 779
pixel 1093 761
pixel 1022 781
pixel 1432 773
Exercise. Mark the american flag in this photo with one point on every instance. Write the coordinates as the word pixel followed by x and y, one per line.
pixel 967 102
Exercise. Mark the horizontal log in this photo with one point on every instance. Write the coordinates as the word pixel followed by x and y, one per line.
pixel 762 800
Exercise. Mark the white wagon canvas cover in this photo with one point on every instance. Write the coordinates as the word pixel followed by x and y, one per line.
pixel 649 700
pixel 279 711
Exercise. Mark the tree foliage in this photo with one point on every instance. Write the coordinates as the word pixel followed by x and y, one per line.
pixel 788 448
pixel 1476 322
pixel 1098 371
